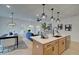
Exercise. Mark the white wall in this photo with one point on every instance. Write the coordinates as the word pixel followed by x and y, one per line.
pixel 75 27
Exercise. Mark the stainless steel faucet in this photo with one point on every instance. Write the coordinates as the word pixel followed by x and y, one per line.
pixel 55 29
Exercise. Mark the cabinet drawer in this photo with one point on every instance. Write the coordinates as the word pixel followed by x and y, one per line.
pixel 51 43
pixel 54 42
pixel 47 45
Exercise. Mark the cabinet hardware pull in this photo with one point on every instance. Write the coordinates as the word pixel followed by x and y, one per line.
pixel 62 42
pixel 52 48
pixel 48 45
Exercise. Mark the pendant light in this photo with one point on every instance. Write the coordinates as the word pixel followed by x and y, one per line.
pixel 52 18
pixel 12 22
pixel 43 14
pixel 58 20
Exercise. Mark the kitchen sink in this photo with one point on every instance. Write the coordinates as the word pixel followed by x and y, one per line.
pixel 57 36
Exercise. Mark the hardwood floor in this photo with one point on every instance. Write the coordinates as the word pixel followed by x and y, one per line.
pixel 73 50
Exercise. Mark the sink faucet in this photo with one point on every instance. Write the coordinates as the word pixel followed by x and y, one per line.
pixel 55 29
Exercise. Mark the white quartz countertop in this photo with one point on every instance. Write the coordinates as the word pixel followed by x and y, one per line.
pixel 49 39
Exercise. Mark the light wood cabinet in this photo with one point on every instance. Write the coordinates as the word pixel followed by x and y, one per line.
pixel 47 51
pixel 61 45
pixel 54 47
pixel 37 48
pixel 68 41
pixel 51 48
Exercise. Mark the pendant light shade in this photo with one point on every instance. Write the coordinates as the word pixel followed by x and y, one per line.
pixel 52 18
pixel 43 15
pixel 58 20
pixel 12 22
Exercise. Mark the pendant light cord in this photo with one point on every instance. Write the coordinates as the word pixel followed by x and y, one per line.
pixel 52 11
pixel 43 7
pixel 58 14
pixel 12 17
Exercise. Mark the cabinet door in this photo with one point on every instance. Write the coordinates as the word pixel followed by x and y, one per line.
pixel 61 45
pixel 55 48
pixel 48 51
pixel 51 48
pixel 68 41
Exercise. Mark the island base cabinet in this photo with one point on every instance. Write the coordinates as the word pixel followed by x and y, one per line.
pixel 55 47
pixel 46 49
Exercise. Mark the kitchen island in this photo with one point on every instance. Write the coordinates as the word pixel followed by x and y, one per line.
pixel 50 45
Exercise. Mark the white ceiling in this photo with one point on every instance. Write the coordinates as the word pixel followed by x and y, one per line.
pixel 29 11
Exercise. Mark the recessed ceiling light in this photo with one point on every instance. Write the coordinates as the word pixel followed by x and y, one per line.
pixel 8 6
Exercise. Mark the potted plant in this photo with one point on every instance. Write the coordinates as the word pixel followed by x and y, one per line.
pixel 44 27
